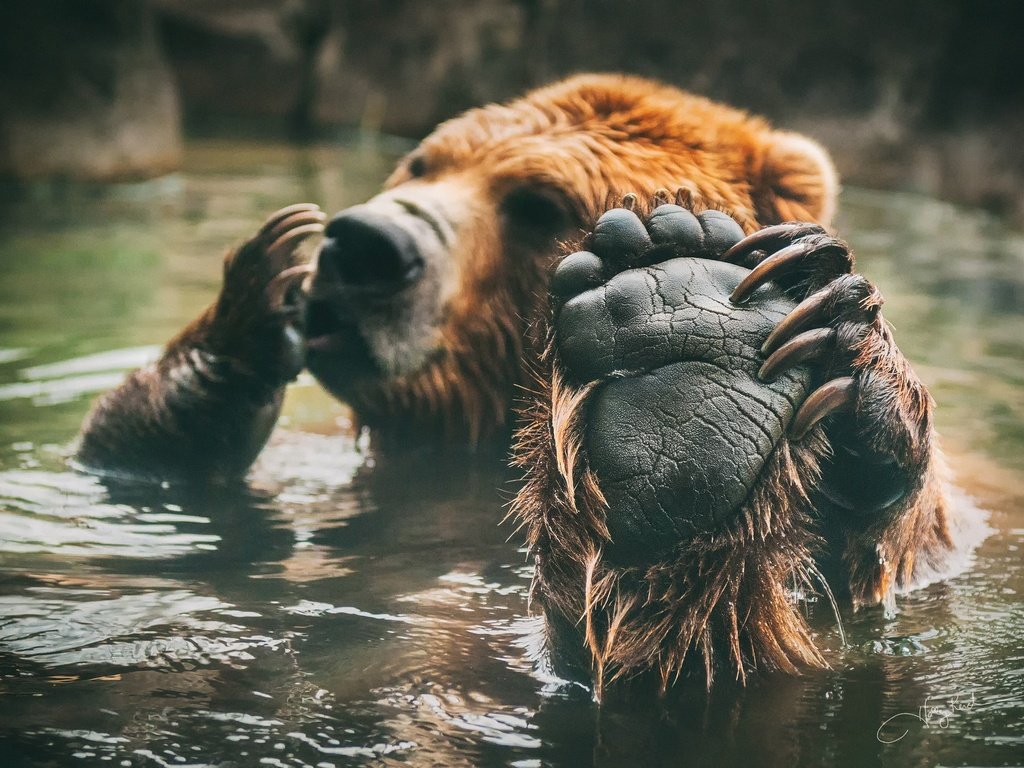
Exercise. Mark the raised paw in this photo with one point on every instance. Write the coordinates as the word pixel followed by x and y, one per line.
pixel 679 425
pixel 258 316
pixel 709 418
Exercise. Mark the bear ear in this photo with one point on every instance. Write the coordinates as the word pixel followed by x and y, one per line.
pixel 798 181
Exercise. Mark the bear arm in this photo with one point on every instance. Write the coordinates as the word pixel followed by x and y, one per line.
pixel 207 406
pixel 196 413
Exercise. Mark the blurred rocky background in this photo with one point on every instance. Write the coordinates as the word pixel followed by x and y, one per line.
pixel 922 96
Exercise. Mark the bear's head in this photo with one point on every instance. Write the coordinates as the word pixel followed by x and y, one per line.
pixel 420 304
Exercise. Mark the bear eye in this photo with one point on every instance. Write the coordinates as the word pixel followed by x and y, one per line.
pixel 535 209
pixel 417 166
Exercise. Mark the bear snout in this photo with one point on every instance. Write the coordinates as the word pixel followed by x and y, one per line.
pixel 366 254
pixel 376 301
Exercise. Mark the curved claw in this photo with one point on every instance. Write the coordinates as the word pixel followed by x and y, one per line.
pixel 836 395
pixel 278 288
pixel 764 271
pixel 808 312
pixel 800 349
pixel 778 263
pixel 277 216
pixel 770 237
pixel 293 237
pixel 294 221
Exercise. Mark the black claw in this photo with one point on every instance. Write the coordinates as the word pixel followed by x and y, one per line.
pixel 295 220
pixel 808 312
pixel 278 216
pixel 291 238
pixel 764 271
pixel 770 238
pixel 779 262
pixel 836 395
pixel 281 286
pixel 807 346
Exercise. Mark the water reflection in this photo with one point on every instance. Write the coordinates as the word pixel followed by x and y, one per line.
pixel 351 608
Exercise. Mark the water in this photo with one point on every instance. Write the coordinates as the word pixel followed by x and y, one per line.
pixel 354 609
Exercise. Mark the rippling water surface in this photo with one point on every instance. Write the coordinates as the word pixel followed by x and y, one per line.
pixel 356 609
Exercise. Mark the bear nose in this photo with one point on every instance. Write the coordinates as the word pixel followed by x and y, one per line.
pixel 367 252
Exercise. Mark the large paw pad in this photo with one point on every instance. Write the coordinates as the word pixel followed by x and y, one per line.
pixel 680 425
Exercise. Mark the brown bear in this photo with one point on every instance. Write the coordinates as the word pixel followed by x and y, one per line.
pixel 712 410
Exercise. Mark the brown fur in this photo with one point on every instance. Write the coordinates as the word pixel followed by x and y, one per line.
pixel 717 597
pixel 587 140
pixel 719 601
pixel 726 600
pixel 886 553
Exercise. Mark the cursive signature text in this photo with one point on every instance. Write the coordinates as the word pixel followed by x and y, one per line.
pixel 931 714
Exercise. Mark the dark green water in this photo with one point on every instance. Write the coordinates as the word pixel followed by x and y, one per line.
pixel 357 610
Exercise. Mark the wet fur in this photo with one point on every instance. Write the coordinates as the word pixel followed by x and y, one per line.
pixel 721 601
pixel 725 601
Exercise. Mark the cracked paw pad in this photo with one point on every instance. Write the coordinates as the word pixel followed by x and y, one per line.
pixel 680 427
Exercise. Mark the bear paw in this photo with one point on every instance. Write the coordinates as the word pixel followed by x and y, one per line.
pixel 257 320
pixel 678 423
pixel 715 408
